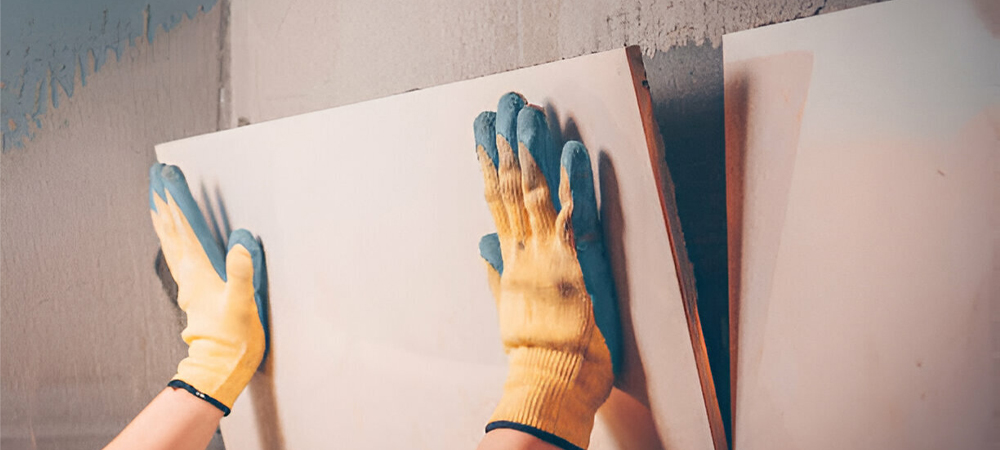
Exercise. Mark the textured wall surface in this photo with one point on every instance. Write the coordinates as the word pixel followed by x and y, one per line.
pixel 339 59
pixel 51 46
pixel 87 336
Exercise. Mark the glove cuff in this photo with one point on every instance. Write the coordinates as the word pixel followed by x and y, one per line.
pixel 218 367
pixel 218 371
pixel 554 392
pixel 180 384
pixel 545 436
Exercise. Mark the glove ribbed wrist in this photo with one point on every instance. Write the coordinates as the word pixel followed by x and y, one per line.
pixel 556 392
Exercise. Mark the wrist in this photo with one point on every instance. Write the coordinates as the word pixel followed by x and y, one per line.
pixel 552 392
pixel 178 385
pixel 216 372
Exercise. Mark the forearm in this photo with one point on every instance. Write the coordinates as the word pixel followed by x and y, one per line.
pixel 175 419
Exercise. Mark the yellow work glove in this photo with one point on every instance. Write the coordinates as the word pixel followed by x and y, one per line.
pixel 223 297
pixel 561 367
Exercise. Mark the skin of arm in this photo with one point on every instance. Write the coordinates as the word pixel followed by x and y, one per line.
pixel 174 420
pixel 507 439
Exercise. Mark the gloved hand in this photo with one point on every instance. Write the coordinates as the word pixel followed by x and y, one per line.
pixel 550 275
pixel 223 297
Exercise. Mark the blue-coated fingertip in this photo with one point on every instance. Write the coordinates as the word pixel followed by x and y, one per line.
pixel 489 249
pixel 533 133
pixel 590 249
pixel 246 239
pixel 576 160
pixel 156 185
pixel 486 135
pixel 507 109
pixel 173 180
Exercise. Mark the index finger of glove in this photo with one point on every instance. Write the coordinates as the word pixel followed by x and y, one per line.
pixel 486 151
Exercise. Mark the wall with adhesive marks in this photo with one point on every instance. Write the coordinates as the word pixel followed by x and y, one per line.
pixel 87 336
pixel 51 46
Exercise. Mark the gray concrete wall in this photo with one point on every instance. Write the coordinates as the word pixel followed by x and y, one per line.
pixel 50 47
pixel 348 51
pixel 87 336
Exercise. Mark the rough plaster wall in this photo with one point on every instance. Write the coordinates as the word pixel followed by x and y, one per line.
pixel 87 336
pixel 347 51
pixel 47 45
pixel 291 57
